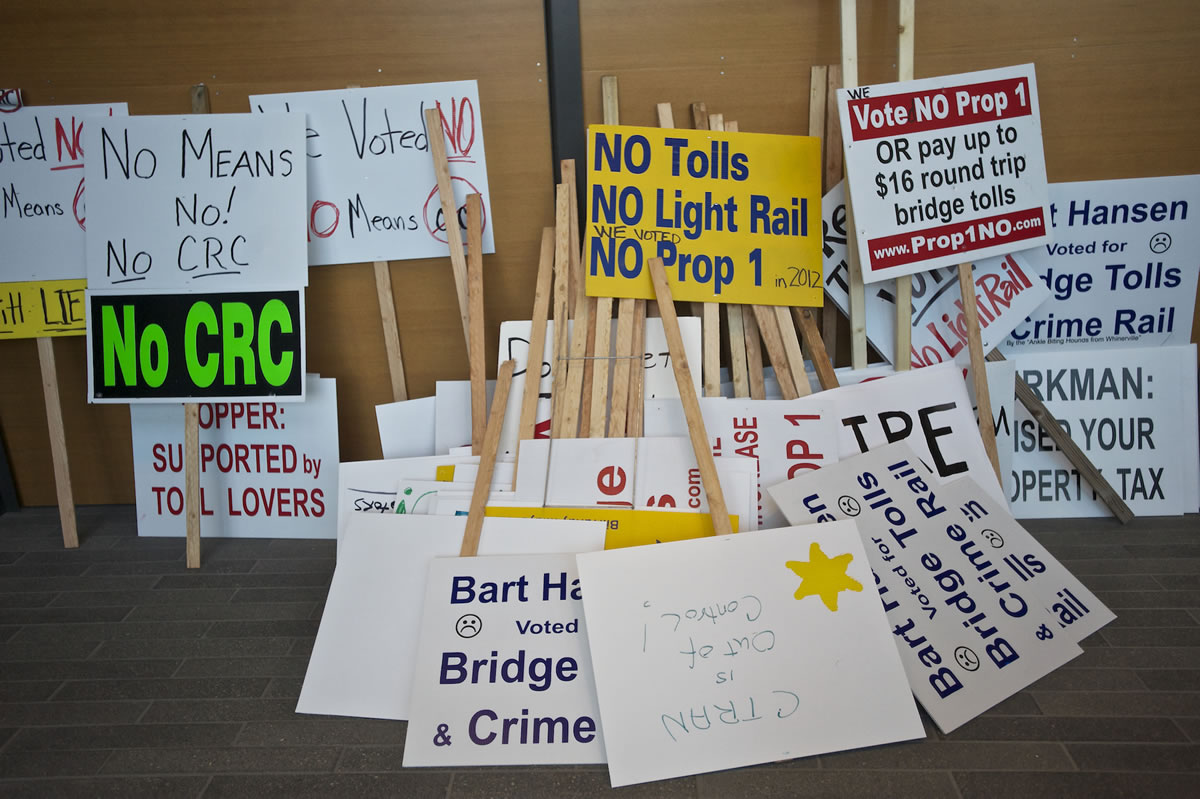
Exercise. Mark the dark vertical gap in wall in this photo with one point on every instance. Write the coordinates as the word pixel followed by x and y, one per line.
pixel 564 60
pixel 8 491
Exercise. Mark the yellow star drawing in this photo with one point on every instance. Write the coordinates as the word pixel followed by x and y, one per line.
pixel 823 576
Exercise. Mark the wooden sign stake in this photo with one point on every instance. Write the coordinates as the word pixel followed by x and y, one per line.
pixel 476 357
pixel 709 312
pixel 623 360
pixel 754 362
pixel 577 366
pixel 562 301
pixel 833 174
pixel 768 327
pixel 1078 458
pixel 58 443
pixel 858 300
pixel 791 349
pixel 191 417
pixel 487 461
pixel 441 167
pixel 904 63
pixel 391 335
pixel 805 318
pixel 537 345
pixel 691 404
pixel 983 399
pixel 634 420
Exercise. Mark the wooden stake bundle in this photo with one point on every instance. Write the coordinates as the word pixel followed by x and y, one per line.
pixel 476 358
pixel 691 404
pixel 487 461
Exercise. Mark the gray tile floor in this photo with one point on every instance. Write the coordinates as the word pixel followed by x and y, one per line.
pixel 124 674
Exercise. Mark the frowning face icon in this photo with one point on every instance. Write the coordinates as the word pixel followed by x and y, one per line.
pixel 468 626
pixel 1160 242
pixel 966 657
pixel 848 505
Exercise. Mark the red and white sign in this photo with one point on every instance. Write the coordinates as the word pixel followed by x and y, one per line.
pixel 945 170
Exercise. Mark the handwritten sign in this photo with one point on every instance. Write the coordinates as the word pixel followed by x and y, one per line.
pixel 1006 292
pixel 365 650
pixel 34 309
pixel 372 192
pixel 734 216
pixel 945 170
pixel 1132 411
pixel 503 674
pixel 968 600
pixel 180 347
pixel 787 655
pixel 199 203
pixel 42 185
pixel 266 470
pixel 1122 268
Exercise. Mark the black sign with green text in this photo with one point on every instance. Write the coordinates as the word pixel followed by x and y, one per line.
pixel 164 347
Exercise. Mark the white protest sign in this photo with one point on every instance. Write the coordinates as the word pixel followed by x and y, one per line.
pixel 784 437
pixel 266 470
pixel 42 182
pixel 452 414
pixel 503 675
pixel 667 477
pixel 196 203
pixel 362 659
pixel 1131 411
pixel 945 170
pixel 591 471
pixel 969 630
pixel 1007 291
pixel 929 408
pixel 407 428
pixel 372 191
pixel 1122 268
pixel 701 667
pixel 658 374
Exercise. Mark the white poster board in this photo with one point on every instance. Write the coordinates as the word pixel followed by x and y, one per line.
pixel 1131 411
pixel 534 702
pixel 407 429
pixel 372 191
pixel 785 437
pixel 705 667
pixel 362 659
pixel 968 605
pixel 945 170
pixel 196 203
pixel 1122 267
pixel 658 374
pixel 266 470
pixel 42 182
pixel 1007 291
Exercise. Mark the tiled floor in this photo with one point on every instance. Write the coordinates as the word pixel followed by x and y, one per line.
pixel 124 674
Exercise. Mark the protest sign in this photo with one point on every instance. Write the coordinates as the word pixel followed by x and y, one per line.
pixel 1132 411
pixel 362 659
pixel 452 413
pixel 44 206
pixel 734 216
pixel 218 347
pixel 945 170
pixel 503 675
pixel 407 428
pixel 1007 291
pixel 592 471
pixel 1122 267
pixel 196 203
pixel 42 308
pixel 266 470
pixel 659 377
pixel 787 655
pixel 785 437
pixel 667 475
pixel 372 192
pixel 627 527
pixel 970 627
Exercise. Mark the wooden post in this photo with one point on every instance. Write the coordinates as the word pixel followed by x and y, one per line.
pixel 791 349
pixel 833 174
pixel 476 356
pixel 858 301
pixel 983 399
pixel 1041 414
pixel 391 334
pixel 634 421
pixel 805 318
pixel 201 104
pixel 754 363
pixel 623 355
pixel 602 325
pixel 709 312
pixel 768 327
pixel 441 167
pixel 578 366
pixel 562 347
pixel 904 64
pixel 487 462
pixel 691 404
pixel 58 443
pixel 537 342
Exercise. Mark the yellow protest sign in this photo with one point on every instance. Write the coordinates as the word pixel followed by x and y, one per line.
pixel 40 308
pixel 736 217
pixel 626 527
